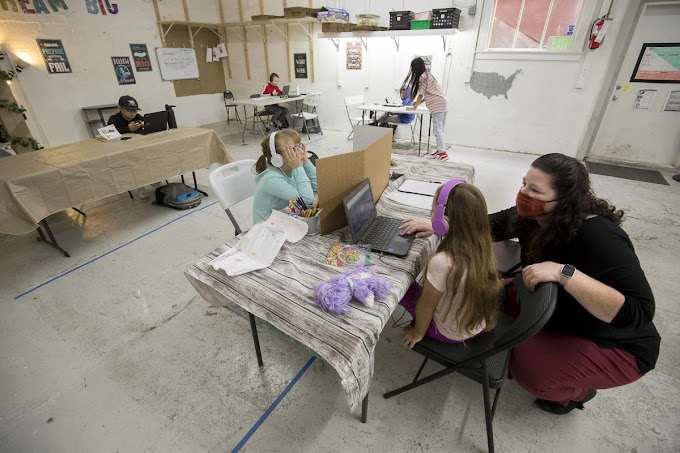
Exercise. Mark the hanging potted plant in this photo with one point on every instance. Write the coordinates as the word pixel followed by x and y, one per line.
pixel 6 139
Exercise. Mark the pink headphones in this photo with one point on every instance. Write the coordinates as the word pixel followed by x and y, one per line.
pixel 439 224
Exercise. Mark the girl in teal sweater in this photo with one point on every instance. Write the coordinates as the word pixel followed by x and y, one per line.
pixel 282 175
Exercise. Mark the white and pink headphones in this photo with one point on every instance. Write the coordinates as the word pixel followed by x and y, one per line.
pixel 276 159
pixel 439 224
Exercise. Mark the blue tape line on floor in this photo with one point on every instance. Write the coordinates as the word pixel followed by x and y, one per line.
pixel 273 406
pixel 111 251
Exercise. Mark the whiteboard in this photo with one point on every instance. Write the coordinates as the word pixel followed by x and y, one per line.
pixel 177 63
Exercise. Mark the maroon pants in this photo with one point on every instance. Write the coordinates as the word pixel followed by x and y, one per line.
pixel 558 367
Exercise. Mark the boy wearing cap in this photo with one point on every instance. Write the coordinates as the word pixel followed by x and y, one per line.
pixel 127 119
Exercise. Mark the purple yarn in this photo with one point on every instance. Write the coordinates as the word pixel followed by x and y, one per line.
pixel 335 294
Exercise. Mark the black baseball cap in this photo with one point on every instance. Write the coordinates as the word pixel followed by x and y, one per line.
pixel 128 102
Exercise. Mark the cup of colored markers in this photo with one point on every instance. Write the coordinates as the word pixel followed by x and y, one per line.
pixel 310 216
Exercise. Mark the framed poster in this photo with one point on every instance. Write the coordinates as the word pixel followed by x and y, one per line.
pixel 658 63
pixel 300 65
pixel 354 55
pixel 53 53
pixel 140 55
pixel 123 69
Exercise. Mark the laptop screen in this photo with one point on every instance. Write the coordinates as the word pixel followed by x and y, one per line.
pixel 360 209
pixel 285 90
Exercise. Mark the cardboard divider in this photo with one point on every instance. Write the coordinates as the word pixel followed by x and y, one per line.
pixel 338 175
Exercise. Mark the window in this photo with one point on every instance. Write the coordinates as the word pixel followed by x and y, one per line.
pixel 534 24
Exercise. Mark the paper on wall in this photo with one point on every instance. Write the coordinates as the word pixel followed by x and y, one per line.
pixel 208 55
pixel 221 50
pixel 644 99
pixel 672 102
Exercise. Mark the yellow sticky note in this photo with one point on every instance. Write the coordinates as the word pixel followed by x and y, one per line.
pixel 626 88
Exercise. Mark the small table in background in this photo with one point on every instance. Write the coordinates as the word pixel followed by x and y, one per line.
pixel 420 111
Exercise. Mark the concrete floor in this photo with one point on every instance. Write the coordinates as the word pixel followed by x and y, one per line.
pixel 112 349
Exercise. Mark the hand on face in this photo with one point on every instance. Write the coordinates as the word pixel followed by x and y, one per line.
pixel 292 156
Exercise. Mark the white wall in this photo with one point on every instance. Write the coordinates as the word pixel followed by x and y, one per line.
pixel 544 112
pixel 55 100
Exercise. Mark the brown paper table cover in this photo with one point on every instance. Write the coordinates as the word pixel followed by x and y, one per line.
pixel 36 184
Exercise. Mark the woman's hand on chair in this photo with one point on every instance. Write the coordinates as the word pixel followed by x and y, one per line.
pixel 422 227
pixel 546 271
pixel 410 336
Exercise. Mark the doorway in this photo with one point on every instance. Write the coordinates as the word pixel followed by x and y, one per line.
pixel 641 125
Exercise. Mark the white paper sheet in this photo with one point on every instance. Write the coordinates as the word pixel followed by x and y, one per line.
pixel 419 187
pixel 221 50
pixel 411 199
pixel 260 245
pixel 644 99
pixel 293 228
pixel 256 250
pixel 107 133
pixel 208 54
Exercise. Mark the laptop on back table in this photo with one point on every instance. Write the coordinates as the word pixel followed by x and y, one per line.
pixel 155 122
pixel 382 233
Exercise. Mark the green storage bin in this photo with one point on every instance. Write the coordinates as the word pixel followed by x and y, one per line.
pixel 420 24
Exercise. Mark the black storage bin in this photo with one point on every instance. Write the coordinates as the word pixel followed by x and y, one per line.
pixel 401 20
pixel 445 18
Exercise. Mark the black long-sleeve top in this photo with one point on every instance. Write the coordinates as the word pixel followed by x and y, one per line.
pixel 603 251
pixel 122 125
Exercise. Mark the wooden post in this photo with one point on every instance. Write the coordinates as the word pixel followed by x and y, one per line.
pixel 265 43
pixel 223 34
pixel 158 22
pixel 261 6
pixel 245 40
pixel 290 77
pixel 311 49
pixel 186 17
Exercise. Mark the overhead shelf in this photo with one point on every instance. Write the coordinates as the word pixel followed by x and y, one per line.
pixel 394 34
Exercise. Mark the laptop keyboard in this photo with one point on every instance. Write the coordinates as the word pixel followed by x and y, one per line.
pixel 380 236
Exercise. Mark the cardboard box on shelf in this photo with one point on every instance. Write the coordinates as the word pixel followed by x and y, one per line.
pixel 332 15
pixel 298 11
pixel 370 20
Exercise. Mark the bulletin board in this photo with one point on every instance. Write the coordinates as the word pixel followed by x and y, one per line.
pixel 177 63
pixel 210 75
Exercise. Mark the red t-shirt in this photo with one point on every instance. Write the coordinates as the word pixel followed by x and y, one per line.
pixel 271 89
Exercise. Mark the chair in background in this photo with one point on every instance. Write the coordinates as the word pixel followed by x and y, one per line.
pixel 228 104
pixel 353 101
pixel 233 183
pixel 264 128
pixel 308 113
pixel 485 358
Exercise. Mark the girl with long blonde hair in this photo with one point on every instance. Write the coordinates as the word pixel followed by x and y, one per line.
pixel 459 298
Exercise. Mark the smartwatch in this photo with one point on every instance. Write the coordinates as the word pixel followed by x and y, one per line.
pixel 566 273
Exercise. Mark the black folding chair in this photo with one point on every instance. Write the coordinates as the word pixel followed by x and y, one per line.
pixel 485 358
pixel 228 104
pixel 264 127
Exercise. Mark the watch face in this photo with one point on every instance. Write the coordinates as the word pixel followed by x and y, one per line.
pixel 568 270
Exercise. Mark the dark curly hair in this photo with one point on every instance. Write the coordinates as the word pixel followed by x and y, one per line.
pixel 575 202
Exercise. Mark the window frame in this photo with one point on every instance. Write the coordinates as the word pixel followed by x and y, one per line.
pixel 584 19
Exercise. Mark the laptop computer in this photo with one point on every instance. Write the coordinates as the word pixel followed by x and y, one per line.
pixel 286 92
pixel 382 233
pixel 155 122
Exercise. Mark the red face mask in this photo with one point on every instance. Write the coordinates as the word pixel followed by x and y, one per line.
pixel 530 208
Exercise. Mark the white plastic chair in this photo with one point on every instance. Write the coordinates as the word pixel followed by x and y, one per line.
pixel 310 102
pixel 353 101
pixel 233 183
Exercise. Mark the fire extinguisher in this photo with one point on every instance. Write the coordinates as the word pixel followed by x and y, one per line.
pixel 594 42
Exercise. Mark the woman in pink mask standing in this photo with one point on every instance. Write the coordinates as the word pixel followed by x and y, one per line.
pixel 601 334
